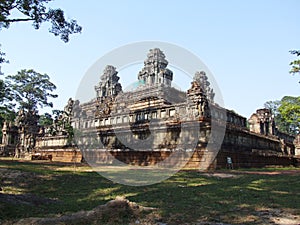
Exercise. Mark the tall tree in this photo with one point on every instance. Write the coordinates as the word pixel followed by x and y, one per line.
pixel 296 63
pixel 35 11
pixel 45 120
pixel 7 112
pixel 290 111
pixel 281 124
pixel 2 58
pixel 273 106
pixel 286 113
pixel 31 89
pixel 6 107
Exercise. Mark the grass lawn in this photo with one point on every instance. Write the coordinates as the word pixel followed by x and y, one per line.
pixel 188 197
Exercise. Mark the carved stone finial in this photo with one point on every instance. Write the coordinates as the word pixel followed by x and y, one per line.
pixel 263 122
pixel 155 69
pixel 202 79
pixel 69 107
pixel 109 84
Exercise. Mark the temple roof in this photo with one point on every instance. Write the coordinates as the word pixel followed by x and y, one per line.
pixel 155 69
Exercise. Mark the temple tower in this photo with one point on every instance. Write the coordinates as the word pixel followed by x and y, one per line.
pixel 202 79
pixel 155 69
pixel 262 122
pixel 109 84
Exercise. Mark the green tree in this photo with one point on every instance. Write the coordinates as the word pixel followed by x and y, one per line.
pixel 286 113
pixel 273 106
pixel 37 12
pixel 8 115
pixel 45 120
pixel 296 63
pixel 280 122
pixel 7 112
pixel 31 90
pixel 2 59
pixel 60 121
pixel 289 110
pixel 6 107
pixel 4 94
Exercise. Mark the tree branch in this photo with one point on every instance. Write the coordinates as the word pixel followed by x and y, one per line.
pixel 16 20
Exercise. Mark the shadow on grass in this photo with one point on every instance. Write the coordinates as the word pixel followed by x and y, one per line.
pixel 232 200
pixel 187 197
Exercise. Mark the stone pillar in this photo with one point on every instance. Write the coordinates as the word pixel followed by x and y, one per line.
pixel 5 134
pixel 297 145
pixel 267 127
pixel 262 127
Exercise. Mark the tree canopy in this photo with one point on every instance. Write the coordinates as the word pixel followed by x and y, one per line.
pixel 31 89
pixel 2 59
pixel 286 113
pixel 296 63
pixel 35 11
pixel 46 119
pixel 290 112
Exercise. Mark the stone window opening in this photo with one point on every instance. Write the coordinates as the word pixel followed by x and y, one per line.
pixel 152 79
pixel 118 119
pixel 154 115
pixel 145 116
pixel 172 112
pixel 262 128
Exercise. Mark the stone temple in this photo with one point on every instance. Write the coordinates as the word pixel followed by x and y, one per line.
pixel 152 121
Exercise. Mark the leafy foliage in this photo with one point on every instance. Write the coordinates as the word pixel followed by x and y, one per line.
pixel 286 113
pixel 8 115
pixel 296 63
pixel 28 88
pixel 6 108
pixel 59 121
pixel 5 95
pixel 290 112
pixel 2 57
pixel 56 123
pixel 280 123
pixel 273 106
pixel 36 12
pixel 31 89
pixel 45 120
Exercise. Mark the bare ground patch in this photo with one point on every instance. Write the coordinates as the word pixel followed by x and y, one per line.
pixel 115 211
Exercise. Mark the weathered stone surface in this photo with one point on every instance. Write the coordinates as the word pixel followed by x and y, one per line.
pixel 109 85
pixel 263 122
pixel 146 123
pixel 297 145
pixel 142 126
pixel 155 69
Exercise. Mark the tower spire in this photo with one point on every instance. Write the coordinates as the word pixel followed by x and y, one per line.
pixel 155 69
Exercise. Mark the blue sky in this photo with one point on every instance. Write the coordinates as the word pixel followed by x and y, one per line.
pixel 245 44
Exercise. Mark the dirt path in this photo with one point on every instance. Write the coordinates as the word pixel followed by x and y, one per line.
pixel 281 172
pixel 235 173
